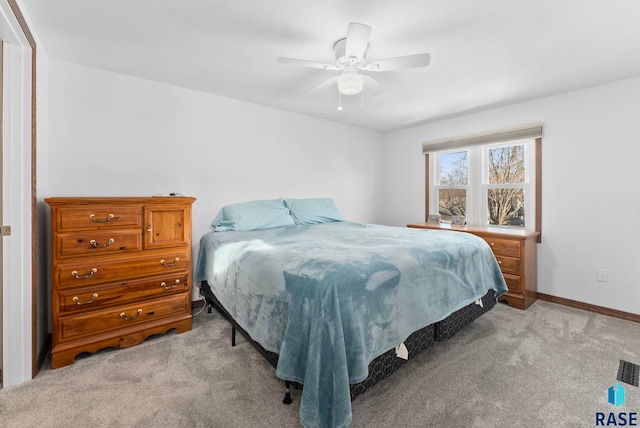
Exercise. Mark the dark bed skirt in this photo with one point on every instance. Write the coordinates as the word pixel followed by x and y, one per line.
pixel 445 329
pixel 387 363
pixel 384 365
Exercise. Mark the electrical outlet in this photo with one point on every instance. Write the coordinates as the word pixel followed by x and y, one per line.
pixel 602 275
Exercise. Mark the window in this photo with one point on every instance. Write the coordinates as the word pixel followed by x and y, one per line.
pixel 452 184
pixel 489 183
pixel 508 183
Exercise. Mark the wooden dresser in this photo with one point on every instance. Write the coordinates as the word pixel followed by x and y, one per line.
pixel 121 271
pixel 516 253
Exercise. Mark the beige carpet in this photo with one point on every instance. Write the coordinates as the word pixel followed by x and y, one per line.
pixel 548 366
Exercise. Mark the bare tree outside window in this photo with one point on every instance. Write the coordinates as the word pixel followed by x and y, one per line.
pixel 453 172
pixel 452 202
pixel 453 169
pixel 505 204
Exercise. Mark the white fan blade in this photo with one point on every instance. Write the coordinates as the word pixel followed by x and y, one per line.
pixel 371 86
pixel 357 40
pixel 399 63
pixel 305 63
pixel 324 85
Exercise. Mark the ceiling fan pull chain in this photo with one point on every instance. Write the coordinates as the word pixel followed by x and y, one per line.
pixel 339 101
pixel 362 93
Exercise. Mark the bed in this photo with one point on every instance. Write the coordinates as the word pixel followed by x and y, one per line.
pixel 328 296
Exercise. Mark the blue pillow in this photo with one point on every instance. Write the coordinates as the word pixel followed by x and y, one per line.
pixel 311 211
pixel 253 215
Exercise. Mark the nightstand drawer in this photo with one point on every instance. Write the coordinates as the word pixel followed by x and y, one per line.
pixel 92 298
pixel 99 217
pixel 509 264
pixel 93 323
pixel 84 273
pixel 94 243
pixel 504 247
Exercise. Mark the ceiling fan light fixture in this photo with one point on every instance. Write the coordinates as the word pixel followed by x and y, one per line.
pixel 350 83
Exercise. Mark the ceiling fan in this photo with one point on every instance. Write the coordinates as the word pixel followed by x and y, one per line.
pixel 352 64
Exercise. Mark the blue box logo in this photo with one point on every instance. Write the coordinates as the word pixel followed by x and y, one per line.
pixel 616 395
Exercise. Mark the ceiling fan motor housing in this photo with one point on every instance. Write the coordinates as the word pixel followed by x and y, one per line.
pixel 342 61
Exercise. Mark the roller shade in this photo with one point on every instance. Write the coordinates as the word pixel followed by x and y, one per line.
pixel 533 130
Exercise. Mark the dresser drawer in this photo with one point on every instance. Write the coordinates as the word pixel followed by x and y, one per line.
pixel 99 217
pixel 98 297
pixel 513 282
pixel 94 243
pixel 82 273
pixel 96 322
pixel 504 247
pixel 509 264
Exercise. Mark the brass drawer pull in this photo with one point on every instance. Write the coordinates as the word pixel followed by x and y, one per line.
pixel 126 318
pixel 101 220
pixel 78 302
pixel 499 262
pixel 169 287
pixel 94 244
pixel 89 275
pixel 492 244
pixel 175 262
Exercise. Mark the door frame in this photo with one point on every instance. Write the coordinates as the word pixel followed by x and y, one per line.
pixel 19 260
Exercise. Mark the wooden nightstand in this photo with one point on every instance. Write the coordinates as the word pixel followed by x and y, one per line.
pixel 121 271
pixel 515 251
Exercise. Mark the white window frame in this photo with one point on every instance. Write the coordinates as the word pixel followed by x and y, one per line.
pixel 436 187
pixel 478 182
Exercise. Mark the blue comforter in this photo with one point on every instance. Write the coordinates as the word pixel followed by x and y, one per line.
pixel 331 297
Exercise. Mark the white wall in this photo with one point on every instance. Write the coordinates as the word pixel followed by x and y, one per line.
pixel 590 155
pixel 115 135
